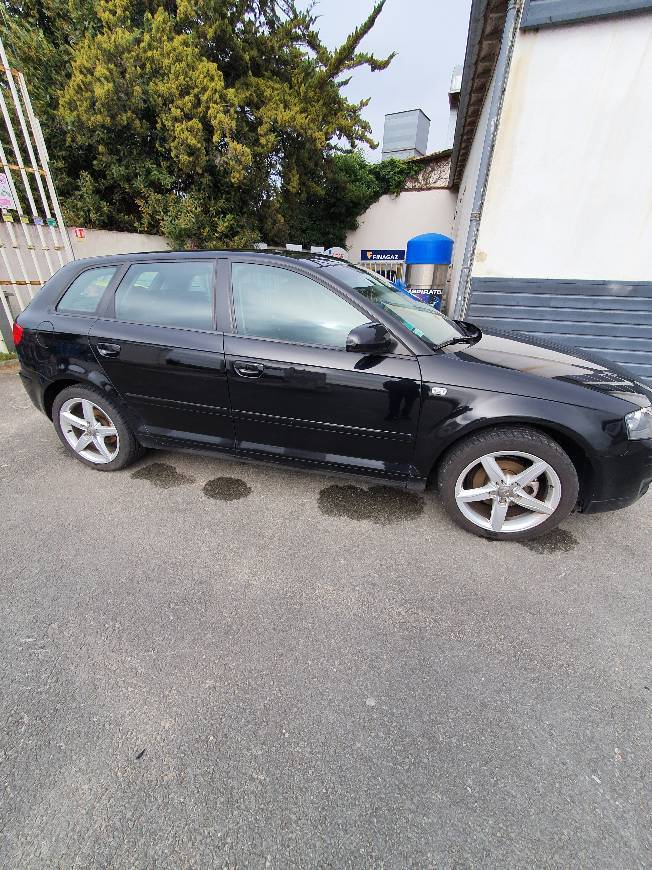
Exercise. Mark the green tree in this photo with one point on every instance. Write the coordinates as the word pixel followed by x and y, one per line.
pixel 349 184
pixel 214 122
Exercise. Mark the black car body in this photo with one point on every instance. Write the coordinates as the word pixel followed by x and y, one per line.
pixel 201 383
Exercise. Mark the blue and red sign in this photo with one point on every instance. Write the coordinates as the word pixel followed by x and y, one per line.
pixel 384 254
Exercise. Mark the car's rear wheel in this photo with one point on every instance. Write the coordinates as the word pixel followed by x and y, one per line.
pixel 93 429
pixel 509 483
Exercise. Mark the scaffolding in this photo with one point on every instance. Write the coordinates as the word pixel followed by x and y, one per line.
pixel 34 242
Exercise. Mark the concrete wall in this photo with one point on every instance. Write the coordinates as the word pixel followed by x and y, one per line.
pixel 570 188
pixel 391 221
pixel 100 242
pixel 96 243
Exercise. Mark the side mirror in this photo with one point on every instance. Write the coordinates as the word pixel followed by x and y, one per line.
pixel 370 338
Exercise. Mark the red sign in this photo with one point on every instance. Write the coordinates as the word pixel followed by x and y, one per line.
pixel 80 233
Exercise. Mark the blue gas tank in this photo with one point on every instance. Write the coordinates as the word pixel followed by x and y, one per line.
pixel 427 260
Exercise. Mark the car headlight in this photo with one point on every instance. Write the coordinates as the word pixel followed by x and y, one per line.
pixel 639 423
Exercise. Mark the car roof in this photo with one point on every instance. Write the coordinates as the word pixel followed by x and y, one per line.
pixel 266 255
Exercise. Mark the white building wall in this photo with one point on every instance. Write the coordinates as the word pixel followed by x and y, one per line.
pixel 391 221
pixel 570 187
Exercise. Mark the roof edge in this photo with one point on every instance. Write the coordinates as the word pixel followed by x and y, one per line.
pixel 486 22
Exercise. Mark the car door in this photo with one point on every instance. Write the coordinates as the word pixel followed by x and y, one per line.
pixel 297 393
pixel 158 345
pixel 62 343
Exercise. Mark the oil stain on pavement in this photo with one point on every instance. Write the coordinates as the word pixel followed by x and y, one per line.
pixel 379 504
pixel 226 488
pixel 557 541
pixel 162 475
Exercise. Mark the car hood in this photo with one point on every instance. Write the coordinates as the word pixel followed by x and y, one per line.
pixel 550 370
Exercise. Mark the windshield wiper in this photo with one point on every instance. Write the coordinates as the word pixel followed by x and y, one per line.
pixel 473 334
pixel 461 339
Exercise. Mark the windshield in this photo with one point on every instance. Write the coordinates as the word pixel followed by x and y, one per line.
pixel 423 320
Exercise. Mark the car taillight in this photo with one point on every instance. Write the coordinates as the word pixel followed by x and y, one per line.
pixel 17 333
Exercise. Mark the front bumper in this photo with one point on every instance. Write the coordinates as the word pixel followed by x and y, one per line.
pixel 621 479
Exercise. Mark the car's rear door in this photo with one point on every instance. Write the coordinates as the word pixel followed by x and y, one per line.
pixel 297 393
pixel 158 344
pixel 62 345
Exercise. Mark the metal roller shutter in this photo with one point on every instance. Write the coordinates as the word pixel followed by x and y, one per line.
pixel 611 318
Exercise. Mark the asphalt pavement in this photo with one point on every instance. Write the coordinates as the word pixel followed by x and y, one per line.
pixel 211 664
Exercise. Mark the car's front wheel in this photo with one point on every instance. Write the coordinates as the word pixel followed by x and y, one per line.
pixel 510 483
pixel 93 429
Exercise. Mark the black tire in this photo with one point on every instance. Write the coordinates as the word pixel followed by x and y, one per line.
pixel 520 439
pixel 126 447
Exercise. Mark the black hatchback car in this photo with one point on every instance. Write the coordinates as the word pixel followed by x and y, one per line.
pixel 312 362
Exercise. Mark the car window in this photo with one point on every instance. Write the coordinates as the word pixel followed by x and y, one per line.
pixel 423 320
pixel 86 291
pixel 167 294
pixel 145 279
pixel 272 302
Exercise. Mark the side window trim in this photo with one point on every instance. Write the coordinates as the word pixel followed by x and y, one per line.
pixel 107 305
pixel 109 310
pixel 224 315
pixel 108 291
pixel 318 279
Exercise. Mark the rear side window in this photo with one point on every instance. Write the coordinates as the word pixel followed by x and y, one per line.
pixel 85 293
pixel 167 294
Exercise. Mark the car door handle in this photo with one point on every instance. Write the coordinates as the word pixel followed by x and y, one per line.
pixel 105 349
pixel 248 369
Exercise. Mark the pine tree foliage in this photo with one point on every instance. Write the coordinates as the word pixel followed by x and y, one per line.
pixel 213 122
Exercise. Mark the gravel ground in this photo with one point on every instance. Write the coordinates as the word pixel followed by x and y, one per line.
pixel 209 664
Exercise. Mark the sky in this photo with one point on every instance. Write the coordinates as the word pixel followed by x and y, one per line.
pixel 430 38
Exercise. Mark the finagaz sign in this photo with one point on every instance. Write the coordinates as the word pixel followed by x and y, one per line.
pixel 393 255
pixel 6 196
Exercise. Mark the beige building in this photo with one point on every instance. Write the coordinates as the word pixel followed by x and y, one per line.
pixel 551 165
pixel 426 205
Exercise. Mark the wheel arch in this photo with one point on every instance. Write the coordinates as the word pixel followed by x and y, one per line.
pixel 573 445
pixel 52 391
pixel 98 383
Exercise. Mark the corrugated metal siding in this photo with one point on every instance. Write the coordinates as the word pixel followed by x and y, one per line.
pixel 539 13
pixel 611 318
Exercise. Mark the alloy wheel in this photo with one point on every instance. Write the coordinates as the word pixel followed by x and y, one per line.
pixel 89 430
pixel 508 491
